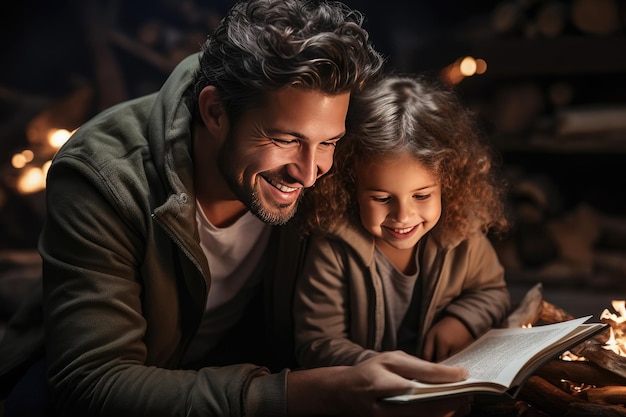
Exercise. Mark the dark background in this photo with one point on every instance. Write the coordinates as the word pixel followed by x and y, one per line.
pixel 62 61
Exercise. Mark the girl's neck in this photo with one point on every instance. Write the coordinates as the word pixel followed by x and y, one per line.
pixel 402 259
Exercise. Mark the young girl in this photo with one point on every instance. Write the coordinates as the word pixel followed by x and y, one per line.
pixel 399 257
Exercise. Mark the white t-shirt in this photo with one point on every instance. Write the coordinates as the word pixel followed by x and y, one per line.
pixel 233 254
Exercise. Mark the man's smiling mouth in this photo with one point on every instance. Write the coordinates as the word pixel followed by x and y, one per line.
pixel 280 186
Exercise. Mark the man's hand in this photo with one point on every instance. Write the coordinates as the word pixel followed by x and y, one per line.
pixel 358 390
pixel 448 336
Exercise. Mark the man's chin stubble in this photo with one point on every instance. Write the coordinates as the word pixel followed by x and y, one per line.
pixel 270 217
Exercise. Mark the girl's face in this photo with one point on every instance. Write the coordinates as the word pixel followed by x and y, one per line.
pixel 399 202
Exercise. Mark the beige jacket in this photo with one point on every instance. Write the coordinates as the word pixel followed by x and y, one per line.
pixel 339 305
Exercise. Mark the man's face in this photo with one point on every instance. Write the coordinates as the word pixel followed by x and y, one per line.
pixel 277 150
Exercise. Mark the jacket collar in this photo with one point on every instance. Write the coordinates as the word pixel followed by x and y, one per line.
pixel 170 136
pixel 364 245
pixel 170 127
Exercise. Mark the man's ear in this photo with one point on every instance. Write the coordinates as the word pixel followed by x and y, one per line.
pixel 212 110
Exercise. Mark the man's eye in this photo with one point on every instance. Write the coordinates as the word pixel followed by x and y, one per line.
pixel 282 142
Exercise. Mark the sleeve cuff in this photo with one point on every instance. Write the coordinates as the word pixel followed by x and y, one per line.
pixel 267 395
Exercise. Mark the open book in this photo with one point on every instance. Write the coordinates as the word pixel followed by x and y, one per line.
pixel 501 360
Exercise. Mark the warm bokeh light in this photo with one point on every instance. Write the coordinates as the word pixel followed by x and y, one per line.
pixel 57 137
pixel 19 160
pixel 452 74
pixel 31 181
pixel 468 66
pixel 28 155
pixel 462 68
pixel 45 167
pixel 481 66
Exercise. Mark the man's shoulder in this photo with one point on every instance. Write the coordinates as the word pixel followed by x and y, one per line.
pixel 115 131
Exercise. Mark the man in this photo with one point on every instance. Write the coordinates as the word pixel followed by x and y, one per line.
pixel 168 259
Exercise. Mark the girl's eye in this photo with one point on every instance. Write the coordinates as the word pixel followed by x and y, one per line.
pixel 421 196
pixel 381 199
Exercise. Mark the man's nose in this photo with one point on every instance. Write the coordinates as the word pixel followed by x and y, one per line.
pixel 308 166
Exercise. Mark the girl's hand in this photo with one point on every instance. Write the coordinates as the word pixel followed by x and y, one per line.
pixel 448 336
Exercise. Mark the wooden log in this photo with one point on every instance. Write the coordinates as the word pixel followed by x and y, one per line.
pixel 597 17
pixel 552 18
pixel 141 51
pixel 508 17
pixel 550 399
pixel 587 409
pixel 579 372
pixel 503 406
pixel 541 394
pixel 551 313
pixel 529 308
pixel 109 76
pixel 604 358
pixel 607 395
pixel 591 119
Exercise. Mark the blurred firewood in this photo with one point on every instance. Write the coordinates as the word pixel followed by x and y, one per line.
pixel 108 73
pixel 591 119
pixel 551 313
pixel 142 51
pixel 502 406
pixel 588 409
pixel 578 372
pixel 541 394
pixel 508 17
pixel 529 308
pixel 592 349
pixel 607 395
pixel 596 17
pixel 68 112
pixel 552 18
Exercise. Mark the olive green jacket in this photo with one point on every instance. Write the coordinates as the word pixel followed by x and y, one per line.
pixel 339 304
pixel 125 280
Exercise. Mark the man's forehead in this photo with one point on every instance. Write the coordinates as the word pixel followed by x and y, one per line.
pixel 303 113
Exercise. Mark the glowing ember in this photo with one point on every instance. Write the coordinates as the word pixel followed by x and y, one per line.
pixel 617 338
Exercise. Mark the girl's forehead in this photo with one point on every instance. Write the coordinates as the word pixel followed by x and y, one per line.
pixel 388 161
pixel 389 170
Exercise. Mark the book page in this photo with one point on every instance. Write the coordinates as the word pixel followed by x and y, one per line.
pixel 500 353
pixel 496 358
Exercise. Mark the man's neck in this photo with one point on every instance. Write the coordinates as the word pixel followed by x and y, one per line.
pixel 215 197
pixel 222 213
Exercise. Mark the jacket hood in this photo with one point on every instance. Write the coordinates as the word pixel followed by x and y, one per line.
pixel 170 126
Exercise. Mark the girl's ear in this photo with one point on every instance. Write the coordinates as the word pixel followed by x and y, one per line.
pixel 212 111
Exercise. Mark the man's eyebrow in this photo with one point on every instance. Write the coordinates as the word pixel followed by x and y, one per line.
pixel 300 135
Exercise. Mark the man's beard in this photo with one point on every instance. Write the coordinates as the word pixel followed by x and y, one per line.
pixel 277 217
pixel 251 199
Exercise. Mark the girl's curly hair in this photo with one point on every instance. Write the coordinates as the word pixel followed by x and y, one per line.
pixel 407 114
